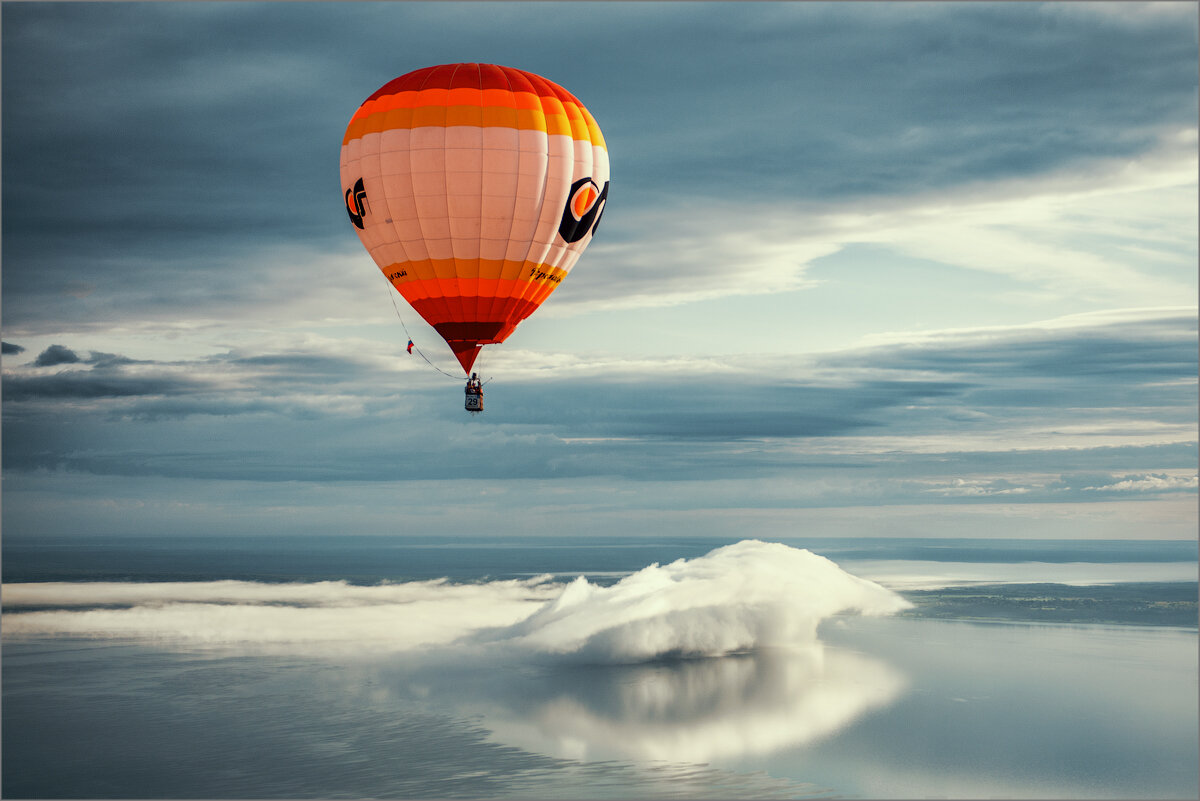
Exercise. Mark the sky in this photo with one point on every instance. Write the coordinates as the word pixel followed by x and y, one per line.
pixel 866 269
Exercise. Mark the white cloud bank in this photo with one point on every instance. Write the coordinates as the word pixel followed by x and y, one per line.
pixel 738 598
pixel 242 613
pixel 446 640
pixel 900 574
pixel 1151 483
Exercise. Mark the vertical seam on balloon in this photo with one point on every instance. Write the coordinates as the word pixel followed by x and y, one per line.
pixel 556 252
pixel 538 292
pixel 542 253
pixel 527 291
pixel 501 307
pixel 576 248
pixel 433 283
pixel 390 212
pixel 479 233
pixel 457 300
pixel 363 156
pixel 492 312
pixel 560 254
pixel 510 305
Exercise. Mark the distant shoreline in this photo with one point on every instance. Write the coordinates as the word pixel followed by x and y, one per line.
pixel 1172 604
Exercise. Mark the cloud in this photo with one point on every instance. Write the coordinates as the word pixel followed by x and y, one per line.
pixel 960 487
pixel 743 597
pixel 693 252
pixel 9 348
pixel 994 487
pixel 1141 346
pixel 877 103
pixel 510 649
pixel 1007 411
pixel 1104 230
pixel 321 615
pixel 738 598
pixel 917 574
pixel 1113 231
pixel 170 198
pixel 106 360
pixel 56 354
pixel 79 384
pixel 223 383
pixel 1148 483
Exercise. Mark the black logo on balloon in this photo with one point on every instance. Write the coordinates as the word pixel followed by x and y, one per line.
pixel 585 204
pixel 356 203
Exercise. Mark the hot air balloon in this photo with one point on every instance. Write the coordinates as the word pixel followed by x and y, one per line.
pixel 475 188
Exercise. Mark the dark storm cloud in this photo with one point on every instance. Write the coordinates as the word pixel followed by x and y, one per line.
pixel 85 384
pixel 224 384
pixel 153 150
pixel 56 354
pixel 299 367
pixel 713 409
pixel 147 145
pixel 75 384
pixel 870 99
pixel 105 360
pixel 11 349
pixel 252 417
pixel 1132 374
pixel 1137 351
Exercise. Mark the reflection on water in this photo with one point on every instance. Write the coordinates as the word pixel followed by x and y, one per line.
pixel 106 720
pixel 437 689
pixel 692 710
pixel 947 709
pixel 520 689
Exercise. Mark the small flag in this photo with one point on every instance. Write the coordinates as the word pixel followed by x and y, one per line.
pixel 410 346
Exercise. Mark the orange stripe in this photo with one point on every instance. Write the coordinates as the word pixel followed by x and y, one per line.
pixel 593 129
pixel 487 98
pixel 472 276
pixel 439 116
pixel 482 117
pixel 572 110
pixel 509 88
pixel 481 107
pixel 473 288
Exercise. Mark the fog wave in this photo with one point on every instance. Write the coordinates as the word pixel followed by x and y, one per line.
pixel 738 598
pixel 327 615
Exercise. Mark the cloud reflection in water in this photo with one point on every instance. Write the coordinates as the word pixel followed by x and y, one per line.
pixel 688 710
pixel 710 657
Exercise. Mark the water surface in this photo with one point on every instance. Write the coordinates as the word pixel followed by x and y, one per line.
pixel 305 676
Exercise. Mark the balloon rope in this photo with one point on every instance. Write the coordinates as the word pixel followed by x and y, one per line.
pixel 392 295
pixel 479 360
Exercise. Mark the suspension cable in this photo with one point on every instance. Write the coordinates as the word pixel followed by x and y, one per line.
pixel 392 296
pixel 479 361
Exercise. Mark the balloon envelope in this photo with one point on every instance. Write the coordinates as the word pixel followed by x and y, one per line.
pixel 475 188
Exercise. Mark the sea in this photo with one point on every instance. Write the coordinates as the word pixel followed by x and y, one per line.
pixel 616 668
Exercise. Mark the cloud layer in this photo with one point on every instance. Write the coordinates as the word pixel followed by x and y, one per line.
pixel 513 651
pixel 993 137
pixel 1039 391
pixel 739 598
